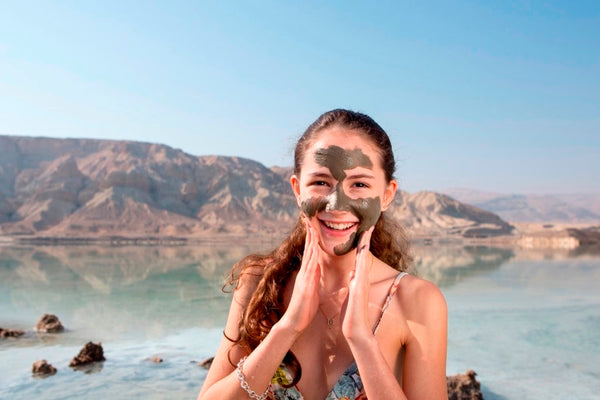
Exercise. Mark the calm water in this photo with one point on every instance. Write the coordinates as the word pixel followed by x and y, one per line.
pixel 528 323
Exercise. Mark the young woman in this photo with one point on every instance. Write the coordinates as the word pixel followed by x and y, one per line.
pixel 330 313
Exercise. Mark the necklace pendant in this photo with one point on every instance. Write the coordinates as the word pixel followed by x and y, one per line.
pixel 330 322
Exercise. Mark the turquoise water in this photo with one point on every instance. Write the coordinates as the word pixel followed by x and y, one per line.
pixel 527 323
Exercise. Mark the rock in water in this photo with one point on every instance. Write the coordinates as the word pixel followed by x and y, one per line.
pixel 49 323
pixel 41 368
pixel 464 387
pixel 206 363
pixel 90 353
pixel 10 332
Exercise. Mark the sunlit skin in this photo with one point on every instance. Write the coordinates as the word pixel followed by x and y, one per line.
pixel 342 189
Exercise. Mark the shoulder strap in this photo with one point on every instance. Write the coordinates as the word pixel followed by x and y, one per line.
pixel 388 299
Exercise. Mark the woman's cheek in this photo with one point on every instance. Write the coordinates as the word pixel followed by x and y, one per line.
pixel 313 205
pixel 369 210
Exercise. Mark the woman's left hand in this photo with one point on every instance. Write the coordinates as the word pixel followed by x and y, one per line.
pixel 356 323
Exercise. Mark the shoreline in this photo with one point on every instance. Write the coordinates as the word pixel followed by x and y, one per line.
pixel 533 236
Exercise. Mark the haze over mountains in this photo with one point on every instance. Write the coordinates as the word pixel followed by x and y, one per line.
pixel 94 188
pixel 573 208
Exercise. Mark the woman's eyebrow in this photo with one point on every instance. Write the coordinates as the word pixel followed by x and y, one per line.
pixel 319 175
pixel 360 176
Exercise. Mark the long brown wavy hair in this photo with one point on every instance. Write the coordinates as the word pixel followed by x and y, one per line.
pixel 388 241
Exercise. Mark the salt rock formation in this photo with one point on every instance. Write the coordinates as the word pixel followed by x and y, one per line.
pixel 42 368
pixel 49 323
pixel 464 387
pixel 10 333
pixel 90 353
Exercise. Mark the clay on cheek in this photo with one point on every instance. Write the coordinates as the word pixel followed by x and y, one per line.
pixel 367 210
pixel 313 205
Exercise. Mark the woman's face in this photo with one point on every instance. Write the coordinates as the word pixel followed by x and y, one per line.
pixel 342 188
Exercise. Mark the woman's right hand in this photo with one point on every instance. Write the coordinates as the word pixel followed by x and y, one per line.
pixel 304 303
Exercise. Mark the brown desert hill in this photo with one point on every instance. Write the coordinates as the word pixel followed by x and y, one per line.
pixel 85 188
pixel 429 213
pixel 71 187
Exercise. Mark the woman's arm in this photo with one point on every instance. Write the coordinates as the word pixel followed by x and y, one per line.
pixel 221 381
pixel 424 366
pixel 377 377
pixel 424 369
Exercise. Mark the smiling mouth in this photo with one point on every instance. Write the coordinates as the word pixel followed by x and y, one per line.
pixel 338 226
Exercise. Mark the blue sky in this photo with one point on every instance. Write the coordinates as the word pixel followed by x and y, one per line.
pixel 496 96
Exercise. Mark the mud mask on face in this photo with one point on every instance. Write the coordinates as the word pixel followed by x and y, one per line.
pixel 367 210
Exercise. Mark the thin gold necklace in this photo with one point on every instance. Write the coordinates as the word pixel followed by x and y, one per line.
pixel 330 320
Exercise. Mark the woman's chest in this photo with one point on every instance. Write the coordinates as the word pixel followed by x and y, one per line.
pixel 325 358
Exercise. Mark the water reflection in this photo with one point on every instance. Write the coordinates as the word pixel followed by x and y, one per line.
pixel 116 291
pixel 104 268
pixel 144 301
pixel 447 265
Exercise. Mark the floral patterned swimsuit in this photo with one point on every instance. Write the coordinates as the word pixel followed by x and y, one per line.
pixel 348 387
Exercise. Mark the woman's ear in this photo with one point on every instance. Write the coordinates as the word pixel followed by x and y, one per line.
pixel 389 194
pixel 295 182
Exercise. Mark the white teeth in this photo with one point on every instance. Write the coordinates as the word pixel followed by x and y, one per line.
pixel 339 227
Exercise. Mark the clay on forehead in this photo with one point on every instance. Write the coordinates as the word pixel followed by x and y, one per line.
pixel 338 160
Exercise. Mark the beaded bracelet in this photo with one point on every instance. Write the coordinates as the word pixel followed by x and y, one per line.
pixel 251 393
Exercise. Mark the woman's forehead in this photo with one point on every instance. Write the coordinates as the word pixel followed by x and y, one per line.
pixel 342 137
pixel 348 140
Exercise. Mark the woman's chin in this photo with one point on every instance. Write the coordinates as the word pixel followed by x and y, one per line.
pixel 336 243
pixel 337 248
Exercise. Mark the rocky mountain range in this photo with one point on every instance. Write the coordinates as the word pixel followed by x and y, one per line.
pixel 84 188
pixel 570 208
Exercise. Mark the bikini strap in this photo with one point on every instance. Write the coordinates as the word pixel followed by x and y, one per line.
pixel 388 299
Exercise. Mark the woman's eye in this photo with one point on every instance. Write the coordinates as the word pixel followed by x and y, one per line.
pixel 319 183
pixel 361 185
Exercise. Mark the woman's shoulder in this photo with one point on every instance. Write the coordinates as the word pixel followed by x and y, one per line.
pixel 417 286
pixel 413 292
pixel 420 299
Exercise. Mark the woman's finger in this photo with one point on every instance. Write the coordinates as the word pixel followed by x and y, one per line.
pixel 363 264
pixel 308 248
pixel 312 268
pixel 365 240
pixel 356 319
pixel 304 302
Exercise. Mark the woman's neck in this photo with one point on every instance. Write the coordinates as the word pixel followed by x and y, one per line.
pixel 336 271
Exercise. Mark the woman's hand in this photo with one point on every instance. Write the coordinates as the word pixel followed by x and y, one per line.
pixel 356 323
pixel 305 296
